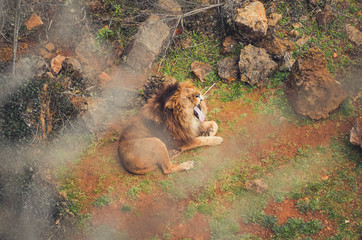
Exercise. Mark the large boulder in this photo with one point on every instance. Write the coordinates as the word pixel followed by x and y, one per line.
pixel 255 65
pixel 311 90
pixel 249 17
pixel 356 132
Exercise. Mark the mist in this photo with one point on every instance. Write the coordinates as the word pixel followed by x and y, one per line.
pixel 29 201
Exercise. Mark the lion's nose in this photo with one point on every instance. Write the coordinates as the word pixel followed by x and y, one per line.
pixel 199 96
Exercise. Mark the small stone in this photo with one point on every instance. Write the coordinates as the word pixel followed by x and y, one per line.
pixel 33 21
pixel 356 132
pixel 274 18
pixel 45 54
pixel 325 16
pixel 56 64
pixel 296 25
pixel 201 70
pixel 354 34
pixel 257 185
pixel 50 47
pixel 228 45
pixel 302 41
pixel 294 33
pixel 104 78
pixel 228 68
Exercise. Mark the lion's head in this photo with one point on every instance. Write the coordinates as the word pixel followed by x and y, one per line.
pixel 180 108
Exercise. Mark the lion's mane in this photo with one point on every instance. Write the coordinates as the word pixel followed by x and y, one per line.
pixel 166 108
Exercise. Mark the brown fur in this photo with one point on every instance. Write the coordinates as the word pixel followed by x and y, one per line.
pixel 165 127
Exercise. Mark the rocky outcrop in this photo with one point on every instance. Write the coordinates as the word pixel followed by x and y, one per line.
pixel 255 65
pixel 201 70
pixel 249 18
pixel 228 69
pixel 311 90
pixel 356 132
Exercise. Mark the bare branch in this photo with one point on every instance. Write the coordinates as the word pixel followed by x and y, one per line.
pixel 16 34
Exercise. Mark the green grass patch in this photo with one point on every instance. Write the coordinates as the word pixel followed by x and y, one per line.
pixel 224 227
pixel 102 201
pixel 178 60
pixel 296 227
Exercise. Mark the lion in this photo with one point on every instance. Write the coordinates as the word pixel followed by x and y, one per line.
pixel 171 122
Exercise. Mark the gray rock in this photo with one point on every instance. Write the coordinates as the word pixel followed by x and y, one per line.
pixel 255 65
pixel 149 43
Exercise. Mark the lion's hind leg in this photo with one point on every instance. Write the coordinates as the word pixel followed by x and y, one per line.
pixel 144 155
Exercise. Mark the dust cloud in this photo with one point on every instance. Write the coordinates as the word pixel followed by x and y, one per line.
pixel 29 201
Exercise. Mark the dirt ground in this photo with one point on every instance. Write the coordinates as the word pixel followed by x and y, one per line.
pixel 157 212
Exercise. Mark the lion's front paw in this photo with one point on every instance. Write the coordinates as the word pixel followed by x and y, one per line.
pixel 188 165
pixel 217 140
pixel 208 132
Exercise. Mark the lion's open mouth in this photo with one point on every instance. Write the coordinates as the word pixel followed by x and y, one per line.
pixel 198 113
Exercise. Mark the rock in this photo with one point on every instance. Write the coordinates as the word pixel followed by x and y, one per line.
pixel 103 78
pixel 325 16
pixel 50 47
pixel 46 54
pixel 294 33
pixel 354 34
pixel 314 3
pixel 311 90
pixel 186 42
pixel 276 46
pixel 302 41
pixel 201 70
pixel 248 16
pixel 56 64
pixel 255 65
pixel 33 22
pixel 228 68
pixel 257 185
pixel 296 25
pixel 228 45
pixel 274 18
pixel 149 42
pixel 169 6
pixel 356 132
